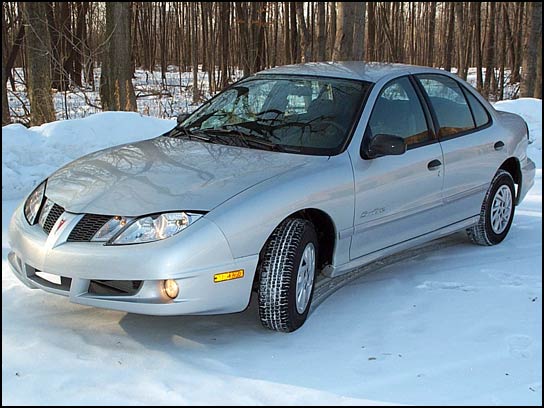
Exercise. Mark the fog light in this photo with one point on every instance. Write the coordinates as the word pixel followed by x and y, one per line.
pixel 171 288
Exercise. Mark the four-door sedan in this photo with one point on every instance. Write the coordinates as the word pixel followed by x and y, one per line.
pixel 294 171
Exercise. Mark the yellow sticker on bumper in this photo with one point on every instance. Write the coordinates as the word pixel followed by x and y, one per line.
pixel 225 276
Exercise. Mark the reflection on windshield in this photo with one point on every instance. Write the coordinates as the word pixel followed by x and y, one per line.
pixel 285 113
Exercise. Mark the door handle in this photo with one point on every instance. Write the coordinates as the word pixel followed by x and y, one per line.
pixel 434 165
pixel 499 145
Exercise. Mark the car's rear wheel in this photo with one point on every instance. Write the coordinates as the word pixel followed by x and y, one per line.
pixel 497 211
pixel 287 274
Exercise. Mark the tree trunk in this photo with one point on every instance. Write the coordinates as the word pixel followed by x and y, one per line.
pixel 194 51
pixel 66 44
pixel 224 42
pixel 294 33
pixel 538 79
pixel 116 89
pixel 343 44
pixel 164 65
pixel 5 106
pixel 450 36
pixel 332 27
pixel 359 32
pixel 461 42
pixel 518 41
pixel 371 41
pixel 490 51
pixel 305 48
pixel 287 36
pixel 477 23
pixel 78 51
pixel 9 54
pixel 534 32
pixel 6 120
pixel 38 48
pixel 243 22
pixel 431 34
pixel 321 32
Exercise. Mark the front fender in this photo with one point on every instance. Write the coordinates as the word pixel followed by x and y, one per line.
pixel 326 184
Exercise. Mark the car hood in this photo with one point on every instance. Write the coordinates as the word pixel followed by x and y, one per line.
pixel 163 174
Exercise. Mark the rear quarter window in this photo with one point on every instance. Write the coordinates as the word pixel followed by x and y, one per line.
pixel 481 117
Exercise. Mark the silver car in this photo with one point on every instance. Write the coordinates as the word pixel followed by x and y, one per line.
pixel 296 171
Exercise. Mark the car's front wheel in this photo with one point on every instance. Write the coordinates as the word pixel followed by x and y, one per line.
pixel 287 273
pixel 497 211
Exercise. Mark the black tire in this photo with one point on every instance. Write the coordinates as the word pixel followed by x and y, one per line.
pixel 278 268
pixel 483 233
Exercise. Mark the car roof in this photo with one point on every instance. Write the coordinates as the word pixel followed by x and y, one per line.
pixel 363 71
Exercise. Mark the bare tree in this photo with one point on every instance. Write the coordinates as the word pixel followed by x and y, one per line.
pixel 5 106
pixel 371 41
pixel 194 51
pixel 306 51
pixel 38 48
pixel 359 31
pixel 476 13
pixel 534 33
pixel 116 89
pixel 321 32
pixel 343 44
pixel 448 49
pixel 538 79
pixel 490 51
pixel 221 38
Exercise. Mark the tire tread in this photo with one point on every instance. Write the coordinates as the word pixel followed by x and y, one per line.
pixel 276 268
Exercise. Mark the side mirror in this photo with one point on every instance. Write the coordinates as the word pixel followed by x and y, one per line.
pixel 385 145
pixel 182 117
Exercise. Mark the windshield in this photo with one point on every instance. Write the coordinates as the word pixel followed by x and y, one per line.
pixel 296 114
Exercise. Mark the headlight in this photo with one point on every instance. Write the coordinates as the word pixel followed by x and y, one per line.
pixel 154 228
pixel 111 228
pixel 33 203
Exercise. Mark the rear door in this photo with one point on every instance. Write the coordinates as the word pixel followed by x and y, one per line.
pixel 472 151
pixel 397 197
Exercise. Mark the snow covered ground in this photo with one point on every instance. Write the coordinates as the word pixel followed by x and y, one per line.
pixel 459 325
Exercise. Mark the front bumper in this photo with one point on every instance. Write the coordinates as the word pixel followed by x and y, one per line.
pixel 192 258
pixel 527 179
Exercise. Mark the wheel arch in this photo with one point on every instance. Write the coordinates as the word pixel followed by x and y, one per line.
pixel 326 235
pixel 513 166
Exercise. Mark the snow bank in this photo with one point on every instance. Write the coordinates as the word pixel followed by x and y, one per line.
pixel 30 154
pixel 529 109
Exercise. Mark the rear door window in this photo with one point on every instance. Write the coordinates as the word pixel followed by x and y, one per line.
pixel 449 103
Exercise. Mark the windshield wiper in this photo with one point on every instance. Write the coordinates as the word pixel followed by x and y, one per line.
pixel 248 140
pixel 192 134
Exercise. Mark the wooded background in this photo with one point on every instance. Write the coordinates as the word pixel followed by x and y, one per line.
pixel 58 45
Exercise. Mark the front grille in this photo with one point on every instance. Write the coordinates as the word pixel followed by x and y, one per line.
pixel 87 227
pixel 114 287
pixel 54 213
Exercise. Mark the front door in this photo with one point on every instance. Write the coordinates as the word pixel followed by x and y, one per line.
pixel 397 197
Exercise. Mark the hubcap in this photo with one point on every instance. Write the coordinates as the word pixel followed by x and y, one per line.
pixel 305 277
pixel 501 209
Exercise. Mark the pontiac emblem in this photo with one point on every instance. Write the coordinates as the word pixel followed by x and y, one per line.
pixel 61 223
